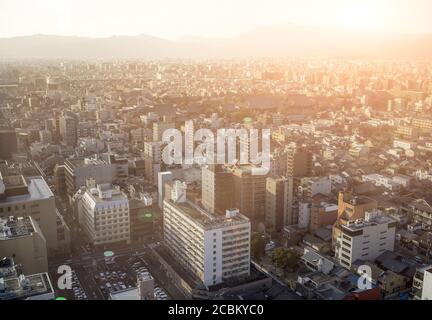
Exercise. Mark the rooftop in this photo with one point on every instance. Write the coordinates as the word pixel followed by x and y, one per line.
pixel 14 227
pixel 18 188
pixel 25 287
pixel 205 219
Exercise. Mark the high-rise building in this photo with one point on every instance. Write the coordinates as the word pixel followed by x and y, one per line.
pixel 103 213
pixel 217 189
pixel 159 128
pixel 153 160
pixel 163 178
pixel 68 130
pixel 249 192
pixel 21 238
pixel 278 199
pixel 212 247
pixel 8 143
pixel 299 162
pixel 365 239
pixel 141 220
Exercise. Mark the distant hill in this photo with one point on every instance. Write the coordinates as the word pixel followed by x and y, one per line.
pixel 270 41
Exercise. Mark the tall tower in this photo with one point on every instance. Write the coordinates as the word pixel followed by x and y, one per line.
pixel 217 190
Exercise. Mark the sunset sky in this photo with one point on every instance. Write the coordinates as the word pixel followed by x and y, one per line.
pixel 209 18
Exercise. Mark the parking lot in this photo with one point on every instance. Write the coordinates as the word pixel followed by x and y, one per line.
pixel 115 275
pixel 139 269
pixel 78 291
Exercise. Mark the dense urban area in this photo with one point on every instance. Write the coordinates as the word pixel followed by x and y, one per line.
pixel 343 213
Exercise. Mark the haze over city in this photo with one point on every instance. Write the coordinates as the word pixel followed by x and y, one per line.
pixel 173 19
pixel 249 153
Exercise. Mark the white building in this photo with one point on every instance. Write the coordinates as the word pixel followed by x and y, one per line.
pixel 365 239
pixel 427 285
pixel 212 247
pixel 380 180
pixel 103 212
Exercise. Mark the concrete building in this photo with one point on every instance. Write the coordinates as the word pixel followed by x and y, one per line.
pixel 31 287
pixel 163 178
pixel 21 238
pixel 365 239
pixel 217 189
pixel 77 171
pixel 421 212
pixel 31 196
pixel 310 187
pixel 159 128
pixel 103 213
pixel 141 220
pixel 427 284
pixel 322 214
pixel 299 162
pixel 8 143
pixel 153 160
pixel 68 130
pixel 212 247
pixel 352 207
pixel 279 197
pixel 249 192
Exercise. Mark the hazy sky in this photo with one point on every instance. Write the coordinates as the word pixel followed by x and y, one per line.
pixel 212 18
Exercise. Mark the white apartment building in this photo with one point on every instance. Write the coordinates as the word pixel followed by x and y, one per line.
pixel 365 239
pixel 382 181
pixel 103 213
pixel 212 247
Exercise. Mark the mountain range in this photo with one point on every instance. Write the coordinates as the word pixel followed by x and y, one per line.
pixel 275 41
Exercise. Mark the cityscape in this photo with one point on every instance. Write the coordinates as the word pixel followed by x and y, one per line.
pixel 150 172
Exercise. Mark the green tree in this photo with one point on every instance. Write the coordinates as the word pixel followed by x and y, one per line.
pixel 257 246
pixel 285 258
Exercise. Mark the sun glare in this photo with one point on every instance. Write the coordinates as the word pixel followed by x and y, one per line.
pixel 361 15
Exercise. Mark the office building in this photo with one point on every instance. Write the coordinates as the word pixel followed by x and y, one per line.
pixel 31 196
pixel 163 178
pixel 153 160
pixel 299 162
pixel 249 192
pixel 103 213
pixel 31 287
pixel 21 238
pixel 141 220
pixel 68 130
pixel 365 239
pixel 278 200
pixel 75 172
pixel 217 189
pixel 8 143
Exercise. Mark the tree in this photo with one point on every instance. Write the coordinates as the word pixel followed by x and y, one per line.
pixel 257 246
pixel 285 258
